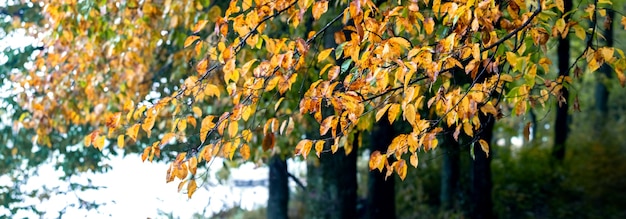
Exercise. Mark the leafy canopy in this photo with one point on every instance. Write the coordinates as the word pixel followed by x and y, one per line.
pixel 243 68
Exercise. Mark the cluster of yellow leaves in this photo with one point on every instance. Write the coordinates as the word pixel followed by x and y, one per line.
pixel 433 64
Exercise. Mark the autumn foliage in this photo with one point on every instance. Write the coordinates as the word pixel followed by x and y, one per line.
pixel 254 71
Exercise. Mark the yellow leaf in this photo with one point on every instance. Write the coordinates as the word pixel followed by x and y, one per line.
pixel 377 161
pixel 401 167
pixel 326 124
pixel 233 127
pixel 278 103
pixel 623 21
pixel 182 125
pixel 381 112
pixel 489 108
pixel 319 147
pixel 205 127
pixel 190 40
pixel 319 8
pixel 181 184
pixel 191 120
pixel 99 142
pixel 167 137
pixel 579 32
pixel 468 129
pixel 133 131
pixel 393 112
pixel 335 146
pixel 246 135
pixel 607 53
pixel 414 160
pixel 303 148
pixel 324 54
pixel 484 146
pixel 148 122
pixel 87 141
pixel 400 41
pixel 198 27
pixel 197 111
pixel 120 141
pixel 211 90
pixel 410 113
pixel 245 151
pixel 191 188
pixel 429 25
pixel 145 154
pixel 193 165
pixel 560 5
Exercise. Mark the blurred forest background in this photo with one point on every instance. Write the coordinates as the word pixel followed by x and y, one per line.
pixel 528 180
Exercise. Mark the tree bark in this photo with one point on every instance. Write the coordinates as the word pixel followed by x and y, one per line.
pixel 602 93
pixel 562 124
pixel 331 186
pixel 481 173
pixel 278 201
pixel 380 192
pixel 450 172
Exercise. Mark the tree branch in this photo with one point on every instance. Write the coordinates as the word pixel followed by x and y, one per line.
pixel 297 181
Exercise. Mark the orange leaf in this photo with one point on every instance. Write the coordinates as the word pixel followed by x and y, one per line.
pixel 429 25
pixel 319 147
pixel 167 137
pixel 393 112
pixel 303 148
pixel 245 151
pixel 377 161
pixel 191 188
pixel 196 28
pixel 191 120
pixel 414 160
pixel 145 154
pixel 268 141
pixel 113 120
pixel 401 167
pixel 133 131
pixel 484 146
pixel 193 165
pixel 206 126
pixel 319 8
pixel 190 40
pixel 148 123
pixel 326 124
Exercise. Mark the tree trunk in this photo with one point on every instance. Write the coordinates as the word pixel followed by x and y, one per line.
pixel 602 93
pixel 277 203
pixel 331 186
pixel 450 173
pixel 561 124
pixel 481 173
pixel 380 192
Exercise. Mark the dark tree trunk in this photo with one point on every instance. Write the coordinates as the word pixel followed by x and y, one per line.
pixel 450 172
pixel 562 124
pixel 277 203
pixel 602 93
pixel 331 186
pixel 380 192
pixel 481 173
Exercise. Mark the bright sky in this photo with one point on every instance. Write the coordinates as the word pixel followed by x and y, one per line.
pixel 139 191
